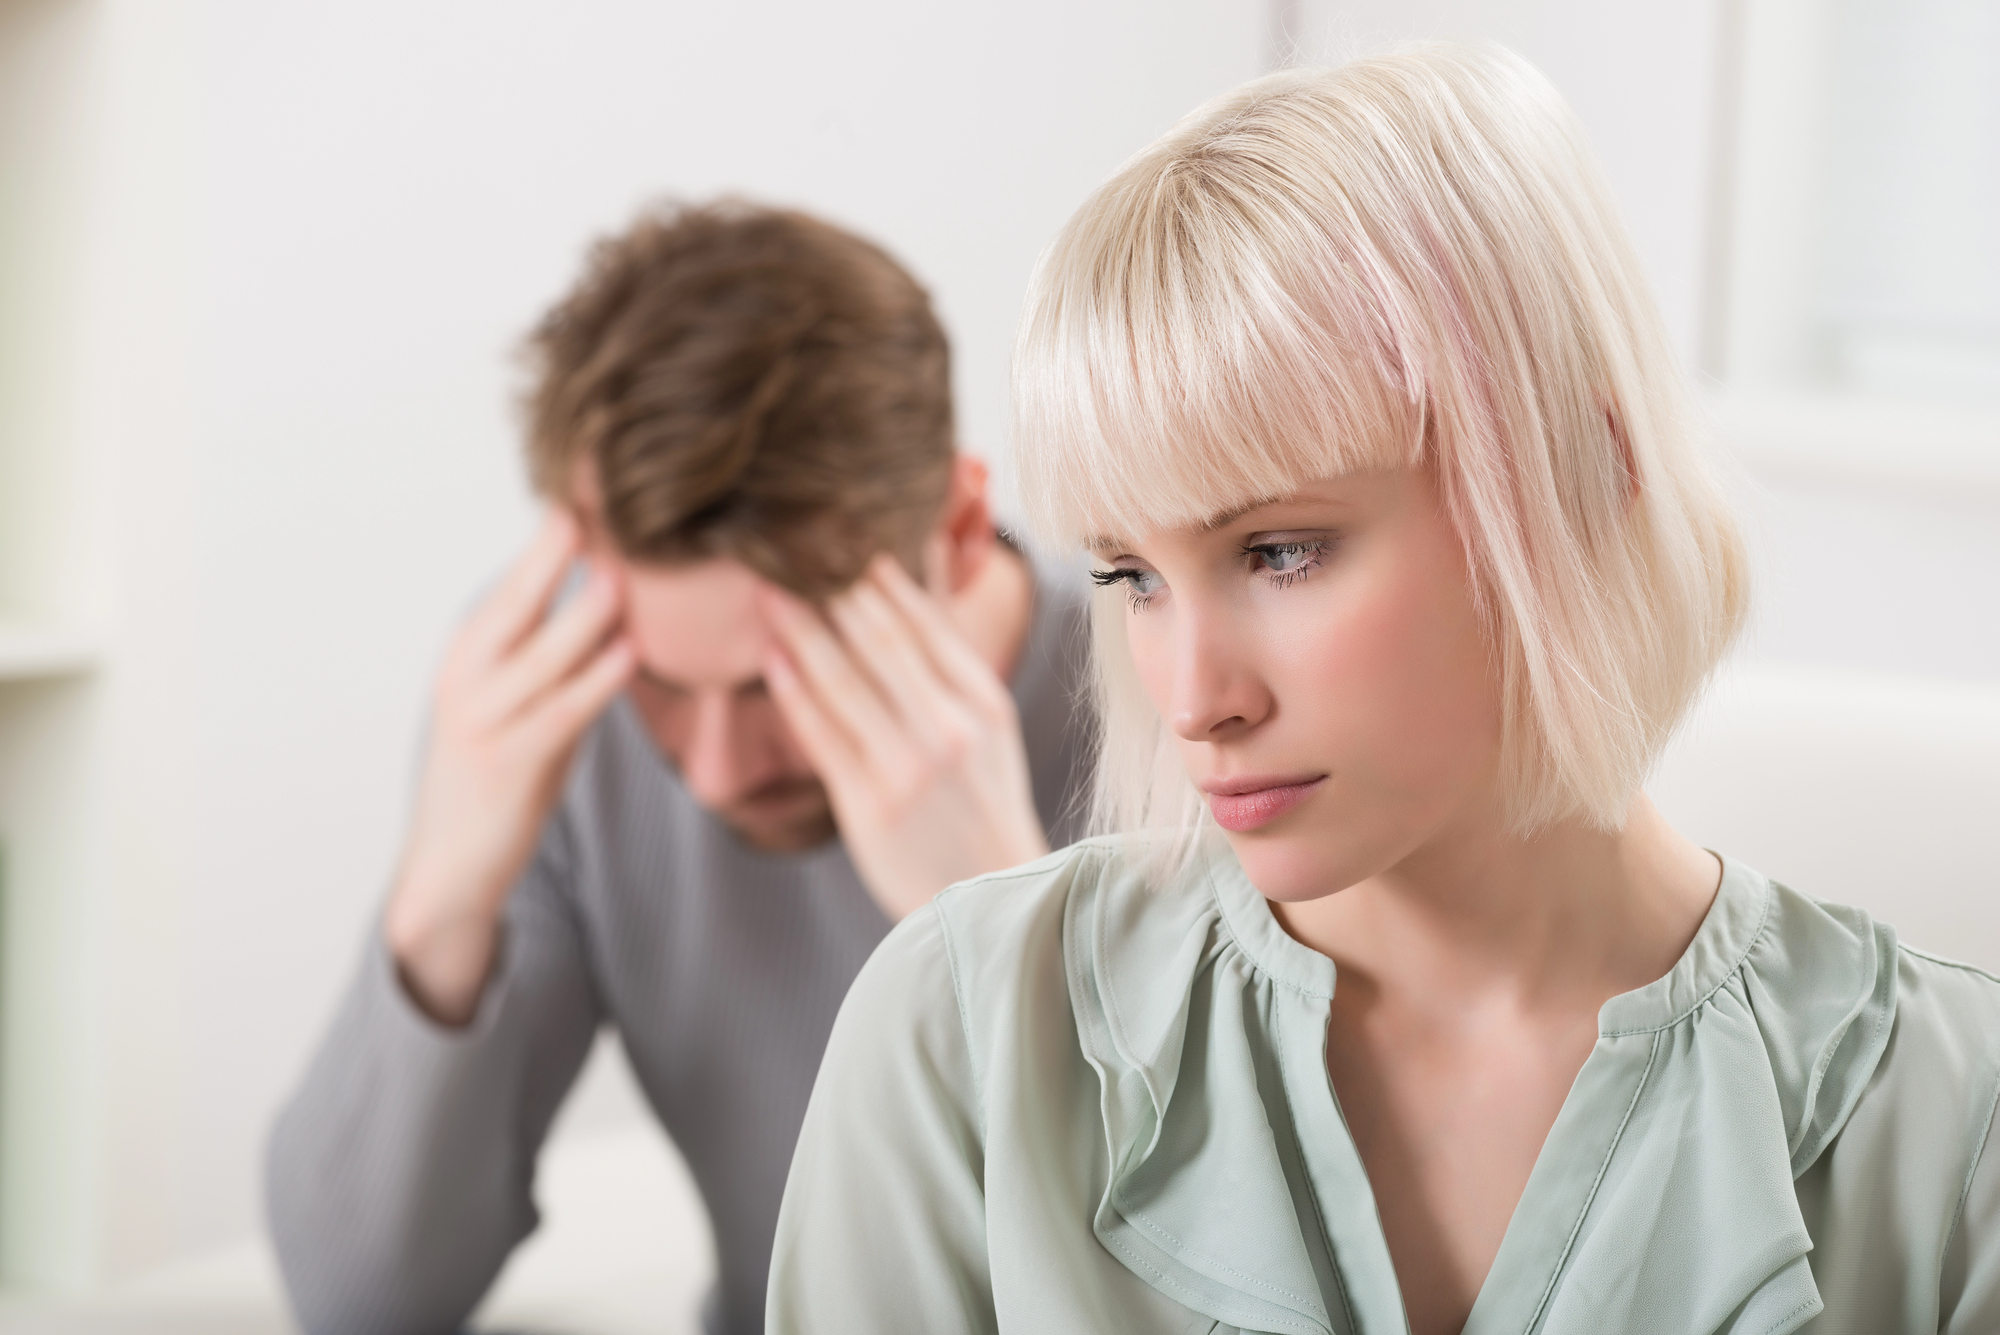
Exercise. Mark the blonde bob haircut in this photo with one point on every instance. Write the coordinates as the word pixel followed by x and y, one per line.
pixel 1407 261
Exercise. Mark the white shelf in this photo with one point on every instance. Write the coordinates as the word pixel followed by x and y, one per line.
pixel 31 651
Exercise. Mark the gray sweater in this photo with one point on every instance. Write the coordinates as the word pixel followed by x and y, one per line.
pixel 400 1174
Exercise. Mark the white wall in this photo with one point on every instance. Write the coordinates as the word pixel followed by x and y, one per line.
pixel 324 227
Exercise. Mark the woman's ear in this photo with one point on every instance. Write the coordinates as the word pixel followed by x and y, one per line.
pixel 963 539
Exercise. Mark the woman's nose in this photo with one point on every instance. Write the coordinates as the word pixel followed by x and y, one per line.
pixel 1217 691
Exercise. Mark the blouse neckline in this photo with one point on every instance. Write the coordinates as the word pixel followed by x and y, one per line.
pixel 1736 918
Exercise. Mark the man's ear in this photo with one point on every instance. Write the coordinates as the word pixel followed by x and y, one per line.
pixel 964 537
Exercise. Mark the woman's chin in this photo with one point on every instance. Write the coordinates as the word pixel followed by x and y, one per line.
pixel 1292 868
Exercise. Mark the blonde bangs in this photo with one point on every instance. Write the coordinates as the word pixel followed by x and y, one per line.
pixel 1185 354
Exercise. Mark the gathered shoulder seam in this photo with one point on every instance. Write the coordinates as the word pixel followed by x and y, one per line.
pixel 1959 965
pixel 1763 926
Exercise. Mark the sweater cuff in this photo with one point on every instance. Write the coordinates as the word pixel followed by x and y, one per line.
pixel 406 1024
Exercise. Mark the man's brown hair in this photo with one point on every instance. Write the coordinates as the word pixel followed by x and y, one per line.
pixel 735 381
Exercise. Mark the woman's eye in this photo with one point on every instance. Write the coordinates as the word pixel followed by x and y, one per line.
pixel 1288 561
pixel 1140 585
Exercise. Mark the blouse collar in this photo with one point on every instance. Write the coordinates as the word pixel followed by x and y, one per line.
pixel 1802 997
pixel 1734 923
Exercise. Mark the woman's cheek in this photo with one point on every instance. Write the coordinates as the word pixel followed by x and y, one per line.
pixel 1151 657
pixel 1381 690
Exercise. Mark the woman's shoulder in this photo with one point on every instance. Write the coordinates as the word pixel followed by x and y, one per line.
pixel 995 920
pixel 1939 1013
pixel 1946 1037
pixel 1955 1001
pixel 1922 1012
pixel 1001 948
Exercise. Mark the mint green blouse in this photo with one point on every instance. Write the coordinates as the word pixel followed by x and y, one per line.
pixel 1062 1102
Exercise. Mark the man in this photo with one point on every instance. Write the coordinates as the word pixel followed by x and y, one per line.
pixel 688 797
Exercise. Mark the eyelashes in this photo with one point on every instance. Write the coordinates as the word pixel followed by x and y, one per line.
pixel 1138 590
pixel 1282 564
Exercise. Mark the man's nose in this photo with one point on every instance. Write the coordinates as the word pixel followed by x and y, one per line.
pixel 711 766
pixel 1217 692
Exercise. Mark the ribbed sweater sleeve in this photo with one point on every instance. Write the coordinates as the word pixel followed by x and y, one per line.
pixel 400 1173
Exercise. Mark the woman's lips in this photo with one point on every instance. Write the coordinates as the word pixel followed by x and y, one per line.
pixel 1245 804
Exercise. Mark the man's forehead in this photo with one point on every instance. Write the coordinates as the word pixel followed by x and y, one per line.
pixel 697 624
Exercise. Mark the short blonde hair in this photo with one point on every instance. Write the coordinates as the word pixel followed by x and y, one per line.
pixel 1408 261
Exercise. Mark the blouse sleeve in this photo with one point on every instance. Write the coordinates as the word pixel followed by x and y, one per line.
pixel 883 1227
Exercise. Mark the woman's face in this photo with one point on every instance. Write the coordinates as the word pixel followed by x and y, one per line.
pixel 1321 663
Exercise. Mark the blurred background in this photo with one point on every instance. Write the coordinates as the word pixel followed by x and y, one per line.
pixel 263 265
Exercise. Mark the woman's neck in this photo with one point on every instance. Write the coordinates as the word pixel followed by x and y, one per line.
pixel 1569 917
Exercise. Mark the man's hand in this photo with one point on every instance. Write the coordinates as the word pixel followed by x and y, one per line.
pixel 516 692
pixel 916 739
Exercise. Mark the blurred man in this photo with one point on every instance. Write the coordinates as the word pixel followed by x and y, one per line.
pixel 802 687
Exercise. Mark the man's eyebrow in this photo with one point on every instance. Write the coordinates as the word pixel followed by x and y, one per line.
pixel 653 678
pixel 646 674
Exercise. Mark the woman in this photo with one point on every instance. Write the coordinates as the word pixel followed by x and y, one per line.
pixel 1411 565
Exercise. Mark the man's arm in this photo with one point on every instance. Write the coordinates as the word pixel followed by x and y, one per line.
pixel 519 687
pixel 399 1174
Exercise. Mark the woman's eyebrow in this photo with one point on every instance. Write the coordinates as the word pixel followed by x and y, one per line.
pixel 1219 520
pixel 1224 518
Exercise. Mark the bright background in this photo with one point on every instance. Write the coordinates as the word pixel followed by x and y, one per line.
pixel 263 265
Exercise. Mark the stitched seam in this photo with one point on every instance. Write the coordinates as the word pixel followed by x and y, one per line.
pixel 1233 1273
pixel 1166 1281
pixel 1078 977
pixel 1107 996
pixel 1617 1138
pixel 964 1015
pixel 1821 1122
pixel 1805 1306
pixel 1965 1188
pixel 1960 965
pixel 1763 923
pixel 1222 917
pixel 1319 1211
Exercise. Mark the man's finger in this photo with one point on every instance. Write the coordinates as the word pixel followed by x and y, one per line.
pixel 563 714
pixel 555 650
pixel 828 749
pixel 845 694
pixel 886 645
pixel 969 675
pixel 517 605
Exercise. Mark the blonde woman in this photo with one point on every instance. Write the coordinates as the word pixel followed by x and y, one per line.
pixel 1411 565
